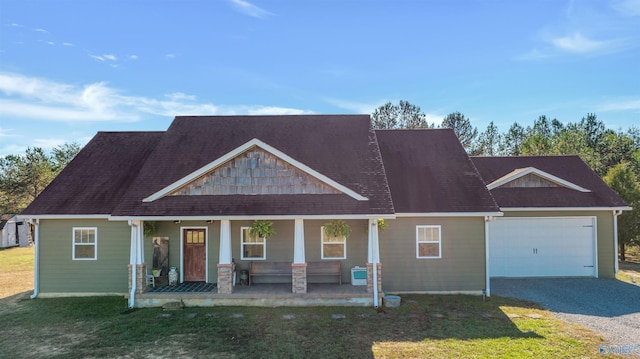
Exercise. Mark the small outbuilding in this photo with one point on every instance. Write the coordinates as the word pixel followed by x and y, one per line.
pixel 14 230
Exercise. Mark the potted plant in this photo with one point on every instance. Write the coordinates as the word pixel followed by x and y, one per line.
pixel 337 229
pixel 261 229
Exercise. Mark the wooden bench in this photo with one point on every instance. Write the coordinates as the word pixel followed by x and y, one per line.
pixel 324 268
pixel 269 269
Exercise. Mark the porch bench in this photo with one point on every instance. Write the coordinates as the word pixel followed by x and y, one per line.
pixel 269 269
pixel 324 268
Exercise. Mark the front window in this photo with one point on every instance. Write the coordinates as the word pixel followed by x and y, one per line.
pixel 85 243
pixel 333 247
pixel 428 242
pixel 252 248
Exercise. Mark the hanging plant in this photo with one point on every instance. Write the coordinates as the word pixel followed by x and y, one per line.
pixel 382 225
pixel 337 229
pixel 149 228
pixel 262 229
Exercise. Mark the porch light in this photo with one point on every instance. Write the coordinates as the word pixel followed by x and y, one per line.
pixel 209 220
pixel 177 222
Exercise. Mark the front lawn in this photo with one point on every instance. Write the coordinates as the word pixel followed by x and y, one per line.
pixel 424 326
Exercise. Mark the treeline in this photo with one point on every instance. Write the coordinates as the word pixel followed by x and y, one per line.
pixel 612 154
pixel 23 177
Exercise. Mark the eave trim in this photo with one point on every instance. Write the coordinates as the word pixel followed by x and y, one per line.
pixel 521 172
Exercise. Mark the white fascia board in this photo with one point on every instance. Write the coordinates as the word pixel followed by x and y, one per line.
pixel 236 152
pixel 539 209
pixel 520 172
pixel 450 214
pixel 67 216
pixel 261 217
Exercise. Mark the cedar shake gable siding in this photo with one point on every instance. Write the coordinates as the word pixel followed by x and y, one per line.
pixel 429 171
pixel 569 168
pixel 97 178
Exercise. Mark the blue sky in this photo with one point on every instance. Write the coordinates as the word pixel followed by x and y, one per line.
pixel 71 68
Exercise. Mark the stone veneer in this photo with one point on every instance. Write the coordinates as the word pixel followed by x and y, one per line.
pixel 225 278
pixel 141 278
pixel 370 277
pixel 299 277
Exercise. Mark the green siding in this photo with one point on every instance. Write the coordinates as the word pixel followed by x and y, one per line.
pixel 461 268
pixel 605 240
pixel 60 274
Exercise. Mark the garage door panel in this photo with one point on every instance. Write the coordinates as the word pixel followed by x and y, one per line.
pixel 540 247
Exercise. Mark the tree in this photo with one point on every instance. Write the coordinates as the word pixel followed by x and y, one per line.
pixel 461 126
pixel 489 142
pixel 23 177
pixel 625 183
pixel 513 140
pixel 403 115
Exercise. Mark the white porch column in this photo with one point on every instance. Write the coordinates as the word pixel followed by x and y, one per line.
pixel 298 242
pixel 225 242
pixel 374 267
pixel 137 268
pixel 299 265
pixel 225 267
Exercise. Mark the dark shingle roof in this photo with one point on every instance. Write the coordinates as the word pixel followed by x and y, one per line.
pixel 116 171
pixel 568 168
pixel 429 171
pixel 97 178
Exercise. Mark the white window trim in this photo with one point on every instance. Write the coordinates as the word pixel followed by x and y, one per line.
pixel 322 243
pixel 242 244
pixel 418 241
pixel 74 244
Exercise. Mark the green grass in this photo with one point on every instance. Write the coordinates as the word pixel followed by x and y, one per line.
pixel 423 326
pixel 102 327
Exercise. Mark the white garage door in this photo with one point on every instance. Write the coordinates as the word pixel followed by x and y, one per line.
pixel 542 247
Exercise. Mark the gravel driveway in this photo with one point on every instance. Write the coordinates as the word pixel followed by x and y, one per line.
pixel 609 307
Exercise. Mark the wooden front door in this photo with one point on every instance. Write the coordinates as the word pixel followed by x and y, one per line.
pixel 195 254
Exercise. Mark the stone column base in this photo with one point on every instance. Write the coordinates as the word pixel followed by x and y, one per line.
pixel 299 277
pixel 141 277
pixel 225 278
pixel 370 277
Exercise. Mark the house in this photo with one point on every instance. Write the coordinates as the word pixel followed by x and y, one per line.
pixel 14 231
pixel 204 181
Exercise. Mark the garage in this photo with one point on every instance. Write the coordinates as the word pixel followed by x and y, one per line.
pixel 543 247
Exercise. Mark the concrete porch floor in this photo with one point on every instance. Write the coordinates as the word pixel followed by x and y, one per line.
pixel 264 295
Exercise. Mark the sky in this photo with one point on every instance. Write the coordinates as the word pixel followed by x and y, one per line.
pixel 71 68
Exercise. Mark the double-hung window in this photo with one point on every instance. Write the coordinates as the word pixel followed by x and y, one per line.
pixel 428 242
pixel 333 247
pixel 85 243
pixel 252 247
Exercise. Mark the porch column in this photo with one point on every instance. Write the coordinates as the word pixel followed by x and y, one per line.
pixel 299 266
pixel 137 268
pixel 225 267
pixel 373 261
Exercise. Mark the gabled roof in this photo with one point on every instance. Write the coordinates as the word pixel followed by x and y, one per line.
pixel 339 149
pixel 98 177
pixel 581 187
pixel 542 176
pixel 429 171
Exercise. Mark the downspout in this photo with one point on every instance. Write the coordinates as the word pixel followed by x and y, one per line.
pixel 132 260
pixel 36 266
pixel 375 257
pixel 487 284
pixel 616 213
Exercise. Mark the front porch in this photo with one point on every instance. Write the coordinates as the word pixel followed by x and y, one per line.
pixel 199 294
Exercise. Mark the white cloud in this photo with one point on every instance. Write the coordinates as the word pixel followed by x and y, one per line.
pixel 6 132
pixel 534 54
pixel 627 7
pixel 51 43
pixel 67 44
pixel 170 56
pixel 626 104
pixel 110 57
pixel 579 43
pixel 104 58
pixel 35 98
pixel 249 9
pixel 41 30
pixel 133 57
